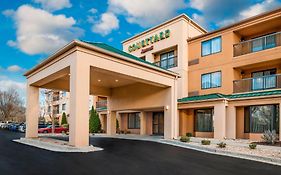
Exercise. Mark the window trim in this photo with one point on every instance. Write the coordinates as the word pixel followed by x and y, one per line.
pixel 209 40
pixel 135 125
pixel 211 79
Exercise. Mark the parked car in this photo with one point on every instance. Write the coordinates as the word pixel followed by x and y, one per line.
pixel 22 127
pixel 48 129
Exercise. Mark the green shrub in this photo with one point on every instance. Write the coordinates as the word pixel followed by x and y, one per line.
pixel 221 145
pixel 63 119
pixel 185 139
pixel 189 134
pixel 94 122
pixel 205 142
pixel 252 145
pixel 270 137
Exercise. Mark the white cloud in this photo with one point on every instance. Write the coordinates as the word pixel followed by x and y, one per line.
pixel 12 43
pixel 20 87
pixel 8 12
pixel 15 68
pixel 93 10
pixel 259 8
pixel 39 31
pixel 53 5
pixel 223 12
pixel 146 13
pixel 106 24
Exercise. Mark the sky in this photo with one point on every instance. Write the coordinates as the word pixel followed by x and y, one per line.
pixel 30 30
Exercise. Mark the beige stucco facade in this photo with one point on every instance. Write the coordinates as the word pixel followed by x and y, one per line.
pixel 155 85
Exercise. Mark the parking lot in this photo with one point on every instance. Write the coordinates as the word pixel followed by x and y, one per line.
pixel 121 157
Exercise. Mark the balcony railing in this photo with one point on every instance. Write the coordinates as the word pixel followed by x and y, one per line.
pixel 56 98
pixel 257 83
pixel 167 63
pixel 101 105
pixel 257 44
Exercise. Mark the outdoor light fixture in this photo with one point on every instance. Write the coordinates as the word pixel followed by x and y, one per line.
pixel 116 80
pixel 167 107
pixel 99 80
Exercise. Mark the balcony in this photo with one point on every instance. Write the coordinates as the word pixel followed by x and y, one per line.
pixel 257 44
pixel 167 63
pixel 101 105
pixel 56 98
pixel 257 84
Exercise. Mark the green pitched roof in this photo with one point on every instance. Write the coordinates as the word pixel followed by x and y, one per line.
pixel 232 96
pixel 122 53
pixel 202 97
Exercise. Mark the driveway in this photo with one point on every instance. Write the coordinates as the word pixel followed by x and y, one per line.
pixel 122 157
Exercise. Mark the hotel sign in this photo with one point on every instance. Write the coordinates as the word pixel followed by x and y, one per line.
pixel 148 41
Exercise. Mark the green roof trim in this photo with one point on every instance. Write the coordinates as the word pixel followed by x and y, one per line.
pixel 232 96
pixel 122 53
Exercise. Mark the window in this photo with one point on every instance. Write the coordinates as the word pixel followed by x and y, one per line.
pixel 211 46
pixel 258 119
pixel 63 107
pixel 133 121
pixel 204 120
pixel 168 60
pixel 63 94
pixel 49 108
pixel 264 42
pixel 211 80
pixel 264 79
pixel 56 109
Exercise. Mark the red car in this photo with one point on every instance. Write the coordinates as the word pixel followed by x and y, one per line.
pixel 48 129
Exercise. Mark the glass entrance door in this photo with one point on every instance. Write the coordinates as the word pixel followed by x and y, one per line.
pixel 158 123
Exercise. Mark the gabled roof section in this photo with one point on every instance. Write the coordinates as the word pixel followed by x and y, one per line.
pixel 120 52
pixel 102 48
pixel 167 22
pixel 218 96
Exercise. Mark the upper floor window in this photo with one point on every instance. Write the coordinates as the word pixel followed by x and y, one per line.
pixel 167 60
pixel 211 80
pixel 211 46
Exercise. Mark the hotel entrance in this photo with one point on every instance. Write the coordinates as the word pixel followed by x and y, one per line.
pixel 158 123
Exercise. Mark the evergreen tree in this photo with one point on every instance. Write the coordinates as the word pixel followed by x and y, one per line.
pixel 94 122
pixel 63 119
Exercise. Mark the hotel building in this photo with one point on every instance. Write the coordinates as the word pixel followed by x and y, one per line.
pixel 172 79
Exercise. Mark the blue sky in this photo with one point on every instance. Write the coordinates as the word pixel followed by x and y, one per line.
pixel 33 29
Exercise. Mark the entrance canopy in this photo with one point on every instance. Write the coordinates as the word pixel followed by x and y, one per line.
pixel 84 69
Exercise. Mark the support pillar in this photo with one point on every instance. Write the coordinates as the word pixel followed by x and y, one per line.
pixel 32 111
pixel 111 123
pixel 171 126
pixel 220 120
pixel 279 121
pixel 142 123
pixel 79 104
pixel 231 122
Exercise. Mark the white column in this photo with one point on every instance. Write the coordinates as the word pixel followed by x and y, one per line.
pixel 220 120
pixel 279 121
pixel 111 123
pixel 79 104
pixel 32 111
pixel 170 113
pixel 142 123
pixel 231 122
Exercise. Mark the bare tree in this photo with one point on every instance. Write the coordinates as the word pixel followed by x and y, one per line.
pixel 11 106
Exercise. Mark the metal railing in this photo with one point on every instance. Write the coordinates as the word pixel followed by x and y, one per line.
pixel 56 98
pixel 101 105
pixel 257 44
pixel 167 63
pixel 257 83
